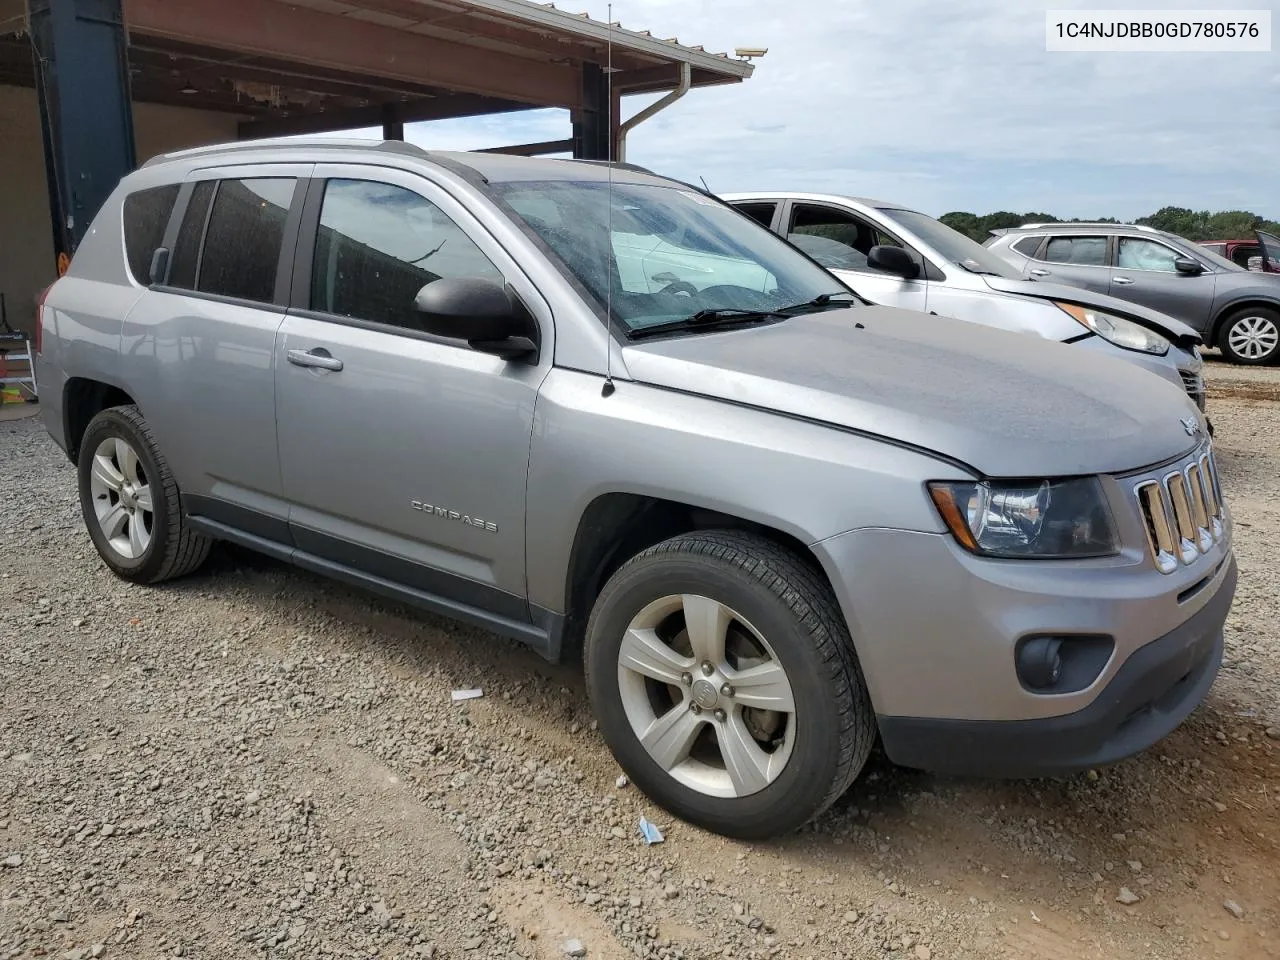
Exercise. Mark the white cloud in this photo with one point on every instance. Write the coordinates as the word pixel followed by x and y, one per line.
pixel 954 106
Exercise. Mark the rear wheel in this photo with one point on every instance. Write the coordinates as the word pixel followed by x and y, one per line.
pixel 725 682
pixel 130 501
pixel 1251 336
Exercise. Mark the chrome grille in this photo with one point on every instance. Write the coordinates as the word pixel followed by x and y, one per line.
pixel 1193 383
pixel 1182 512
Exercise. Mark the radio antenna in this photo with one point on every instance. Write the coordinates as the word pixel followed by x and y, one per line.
pixel 608 388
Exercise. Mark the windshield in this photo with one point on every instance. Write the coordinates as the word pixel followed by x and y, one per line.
pixel 951 244
pixel 663 253
pixel 1196 251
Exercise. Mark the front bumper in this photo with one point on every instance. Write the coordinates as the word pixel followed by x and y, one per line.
pixel 1147 698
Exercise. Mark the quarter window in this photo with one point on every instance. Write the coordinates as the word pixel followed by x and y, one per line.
pixel 243 240
pixel 1027 246
pixel 1078 251
pixel 146 216
pixel 378 245
pixel 1136 253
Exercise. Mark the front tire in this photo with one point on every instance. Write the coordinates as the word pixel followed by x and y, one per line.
pixel 1251 336
pixel 725 682
pixel 131 503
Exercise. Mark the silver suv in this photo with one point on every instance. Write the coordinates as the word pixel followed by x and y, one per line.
pixel 778 523
pixel 1232 307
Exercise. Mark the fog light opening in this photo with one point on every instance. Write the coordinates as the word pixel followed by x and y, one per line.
pixel 1040 662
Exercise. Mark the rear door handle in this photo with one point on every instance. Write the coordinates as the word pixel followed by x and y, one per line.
pixel 1040 273
pixel 1121 280
pixel 318 357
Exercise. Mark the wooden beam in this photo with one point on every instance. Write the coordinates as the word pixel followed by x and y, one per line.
pixel 533 149
pixel 272 29
pixel 413 111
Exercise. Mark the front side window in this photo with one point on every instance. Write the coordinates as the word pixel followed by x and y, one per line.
pixel 657 253
pixel 837 240
pixel 1077 251
pixel 1138 253
pixel 378 245
pixel 146 216
pixel 242 242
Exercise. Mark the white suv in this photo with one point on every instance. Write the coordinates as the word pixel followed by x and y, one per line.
pixel 899 257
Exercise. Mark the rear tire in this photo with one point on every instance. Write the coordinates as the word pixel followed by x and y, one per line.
pixel 131 503
pixel 764 739
pixel 1251 336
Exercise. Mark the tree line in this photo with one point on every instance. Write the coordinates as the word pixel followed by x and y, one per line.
pixel 1194 225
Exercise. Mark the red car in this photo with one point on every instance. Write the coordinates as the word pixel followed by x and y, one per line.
pixel 1262 253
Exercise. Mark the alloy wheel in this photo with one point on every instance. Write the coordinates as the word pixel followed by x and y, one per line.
pixel 122 499
pixel 706 696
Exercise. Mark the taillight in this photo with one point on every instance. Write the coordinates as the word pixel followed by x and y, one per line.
pixel 40 317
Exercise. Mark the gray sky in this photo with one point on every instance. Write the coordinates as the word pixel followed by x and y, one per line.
pixel 945 106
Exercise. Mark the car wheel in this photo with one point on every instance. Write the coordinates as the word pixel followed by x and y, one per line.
pixel 724 680
pixel 1251 336
pixel 130 501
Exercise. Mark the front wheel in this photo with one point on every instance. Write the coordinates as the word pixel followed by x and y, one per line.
pixel 1251 336
pixel 725 682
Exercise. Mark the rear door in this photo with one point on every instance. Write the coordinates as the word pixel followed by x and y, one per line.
pixel 1075 259
pixel 404 456
pixel 1144 272
pixel 839 239
pixel 199 347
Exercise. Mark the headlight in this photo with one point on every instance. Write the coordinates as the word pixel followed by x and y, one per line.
pixel 1045 519
pixel 1117 330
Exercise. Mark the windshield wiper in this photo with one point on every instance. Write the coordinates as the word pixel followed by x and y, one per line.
pixel 707 319
pixel 822 301
pixel 973 267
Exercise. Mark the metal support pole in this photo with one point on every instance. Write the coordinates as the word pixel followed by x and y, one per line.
pixel 86 114
pixel 392 122
pixel 591 131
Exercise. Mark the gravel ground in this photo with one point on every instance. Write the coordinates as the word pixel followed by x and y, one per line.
pixel 256 760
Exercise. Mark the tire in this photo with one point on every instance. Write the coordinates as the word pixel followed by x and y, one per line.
pixel 1251 336
pixel 773 603
pixel 118 464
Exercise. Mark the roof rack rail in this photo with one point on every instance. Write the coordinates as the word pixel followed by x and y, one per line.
pixel 275 143
pixel 1086 223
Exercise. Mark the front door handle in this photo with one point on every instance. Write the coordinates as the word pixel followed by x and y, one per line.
pixel 1121 280
pixel 1040 273
pixel 314 358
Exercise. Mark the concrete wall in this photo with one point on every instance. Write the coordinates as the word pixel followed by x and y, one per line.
pixel 26 243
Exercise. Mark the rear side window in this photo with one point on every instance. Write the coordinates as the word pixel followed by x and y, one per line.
pixel 146 215
pixel 1081 251
pixel 761 212
pixel 1027 246
pixel 186 253
pixel 242 243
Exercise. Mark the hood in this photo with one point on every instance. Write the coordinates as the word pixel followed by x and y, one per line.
pixel 1174 330
pixel 1007 404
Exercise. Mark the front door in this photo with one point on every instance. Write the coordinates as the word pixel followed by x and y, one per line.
pixel 403 455
pixel 1144 273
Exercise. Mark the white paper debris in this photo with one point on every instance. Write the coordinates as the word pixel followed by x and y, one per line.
pixel 467 694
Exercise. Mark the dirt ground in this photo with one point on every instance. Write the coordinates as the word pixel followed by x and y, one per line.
pixel 256 760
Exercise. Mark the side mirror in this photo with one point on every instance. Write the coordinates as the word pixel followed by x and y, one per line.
pixel 480 312
pixel 893 260
pixel 1188 266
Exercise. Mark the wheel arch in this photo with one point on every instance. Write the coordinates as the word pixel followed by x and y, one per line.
pixel 1227 311
pixel 83 399
pixel 615 527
